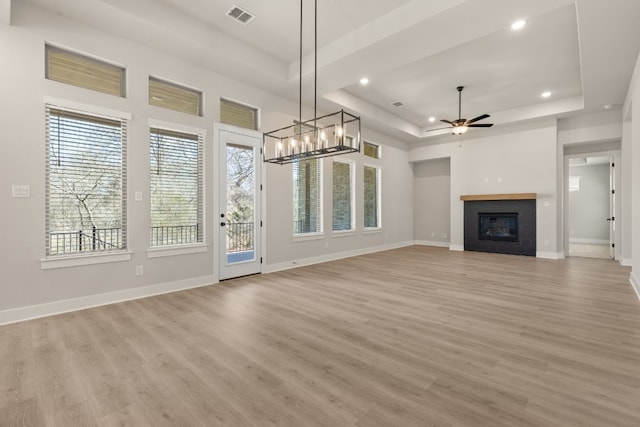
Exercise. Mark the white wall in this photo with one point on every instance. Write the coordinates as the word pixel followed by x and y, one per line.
pixel 431 202
pixel 22 158
pixel 625 188
pixel 518 159
pixel 589 207
pixel 635 179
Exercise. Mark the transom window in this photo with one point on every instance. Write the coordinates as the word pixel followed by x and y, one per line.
pixel 233 113
pixel 371 150
pixel 83 71
pixel 174 97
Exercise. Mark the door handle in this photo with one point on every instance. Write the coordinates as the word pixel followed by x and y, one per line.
pixel 222 224
pixel 611 219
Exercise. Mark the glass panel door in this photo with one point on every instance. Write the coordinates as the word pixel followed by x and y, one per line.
pixel 239 218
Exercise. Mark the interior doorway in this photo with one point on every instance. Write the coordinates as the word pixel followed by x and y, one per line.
pixel 591 206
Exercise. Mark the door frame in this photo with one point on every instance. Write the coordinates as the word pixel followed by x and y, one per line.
pixel 218 179
pixel 617 235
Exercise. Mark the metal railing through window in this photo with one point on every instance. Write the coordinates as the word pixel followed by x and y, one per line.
pixel 239 236
pixel 93 240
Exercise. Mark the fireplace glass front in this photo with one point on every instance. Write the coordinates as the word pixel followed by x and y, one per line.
pixel 501 227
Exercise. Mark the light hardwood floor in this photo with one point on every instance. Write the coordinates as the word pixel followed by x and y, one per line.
pixel 415 336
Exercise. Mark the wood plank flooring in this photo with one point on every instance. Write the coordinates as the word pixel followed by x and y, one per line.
pixel 416 336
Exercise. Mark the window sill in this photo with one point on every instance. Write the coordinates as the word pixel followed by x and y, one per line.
pixel 164 251
pixel 343 233
pixel 307 237
pixel 88 259
pixel 372 230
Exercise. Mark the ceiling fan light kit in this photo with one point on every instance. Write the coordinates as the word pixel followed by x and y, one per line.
pixel 328 135
pixel 460 125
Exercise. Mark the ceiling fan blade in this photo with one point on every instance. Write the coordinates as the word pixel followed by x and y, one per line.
pixel 448 121
pixel 431 130
pixel 480 125
pixel 475 119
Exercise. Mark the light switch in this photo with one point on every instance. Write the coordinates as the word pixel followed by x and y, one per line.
pixel 138 196
pixel 21 191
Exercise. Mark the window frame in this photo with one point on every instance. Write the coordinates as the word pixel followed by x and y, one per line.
pixel 97 257
pixel 242 105
pixel 378 169
pixel 177 87
pixel 157 251
pixel 319 233
pixel 378 150
pixel 352 198
pixel 88 59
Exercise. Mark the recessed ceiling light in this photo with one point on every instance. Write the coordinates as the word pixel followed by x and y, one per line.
pixel 364 81
pixel 546 94
pixel 432 119
pixel 397 104
pixel 518 25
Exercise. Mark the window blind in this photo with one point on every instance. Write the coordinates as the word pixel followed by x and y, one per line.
pixel 307 193
pixel 82 71
pixel 174 97
pixel 236 114
pixel 371 150
pixel 342 196
pixel 371 197
pixel 85 182
pixel 176 187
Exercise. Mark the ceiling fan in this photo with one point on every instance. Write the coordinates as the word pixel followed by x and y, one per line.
pixel 461 125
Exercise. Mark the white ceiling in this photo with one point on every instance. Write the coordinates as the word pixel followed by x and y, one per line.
pixel 413 51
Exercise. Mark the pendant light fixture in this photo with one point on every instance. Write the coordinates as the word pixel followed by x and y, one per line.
pixel 328 135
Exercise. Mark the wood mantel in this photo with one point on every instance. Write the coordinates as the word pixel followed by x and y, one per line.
pixel 509 196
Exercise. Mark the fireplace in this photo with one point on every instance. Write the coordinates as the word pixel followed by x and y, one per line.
pixel 499 227
pixel 500 223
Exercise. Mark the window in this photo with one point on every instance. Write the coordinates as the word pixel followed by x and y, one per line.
pixel 342 196
pixel 176 187
pixel 85 183
pixel 371 197
pixel 174 97
pixel 574 183
pixel 239 115
pixel 307 193
pixel 82 71
pixel 371 150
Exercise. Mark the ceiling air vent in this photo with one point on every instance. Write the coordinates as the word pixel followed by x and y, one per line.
pixel 397 104
pixel 240 15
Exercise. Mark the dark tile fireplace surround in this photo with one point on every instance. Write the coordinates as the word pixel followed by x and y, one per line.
pixel 500 223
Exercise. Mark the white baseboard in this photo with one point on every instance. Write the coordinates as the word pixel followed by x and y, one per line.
pixel 550 255
pixel 627 262
pixel 589 241
pixel 58 307
pixel 458 248
pixel 635 284
pixel 432 243
pixel 272 268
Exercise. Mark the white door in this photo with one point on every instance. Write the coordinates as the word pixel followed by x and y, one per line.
pixel 239 216
pixel 612 209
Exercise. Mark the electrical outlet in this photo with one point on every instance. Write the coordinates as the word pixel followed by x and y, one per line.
pixel 139 270
pixel 433 234
pixel 21 191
